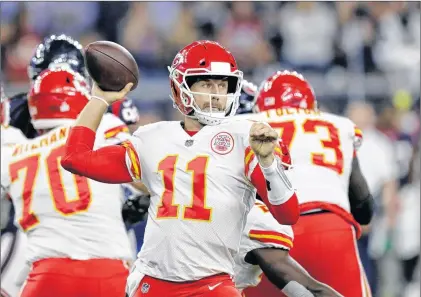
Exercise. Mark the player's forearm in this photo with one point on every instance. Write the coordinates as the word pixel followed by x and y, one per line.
pixel 106 164
pixel 282 199
pixel 360 199
pixel 91 115
pixel 289 276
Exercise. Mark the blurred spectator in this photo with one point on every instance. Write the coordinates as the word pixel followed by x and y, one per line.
pixel 378 164
pixel 209 16
pixel 389 123
pixel 184 32
pixel 397 50
pixel 71 18
pixel 17 57
pixel 407 231
pixel 243 36
pixel 308 30
pixel 139 36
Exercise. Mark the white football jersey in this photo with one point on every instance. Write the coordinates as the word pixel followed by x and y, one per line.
pixel 14 270
pixel 322 147
pixel 200 197
pixel 262 231
pixel 11 135
pixel 65 215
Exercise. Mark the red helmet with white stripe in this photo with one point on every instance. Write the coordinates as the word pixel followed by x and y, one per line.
pixel 285 89
pixel 57 97
pixel 204 59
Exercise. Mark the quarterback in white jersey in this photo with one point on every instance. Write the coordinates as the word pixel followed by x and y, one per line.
pixel 202 174
pixel 333 195
pixel 74 225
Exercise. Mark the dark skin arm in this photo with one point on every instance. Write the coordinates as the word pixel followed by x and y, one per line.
pixel 280 269
pixel 360 199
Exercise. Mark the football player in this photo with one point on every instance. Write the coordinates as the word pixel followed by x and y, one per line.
pixel 64 52
pixel 77 242
pixel 333 194
pixel 264 248
pixel 13 241
pixel 202 174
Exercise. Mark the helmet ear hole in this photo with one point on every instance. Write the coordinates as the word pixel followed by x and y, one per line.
pixel 203 62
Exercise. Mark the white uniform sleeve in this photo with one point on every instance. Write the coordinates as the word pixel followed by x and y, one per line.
pixel 5 203
pixel 111 131
pixel 133 147
pixel 357 137
pixel 262 230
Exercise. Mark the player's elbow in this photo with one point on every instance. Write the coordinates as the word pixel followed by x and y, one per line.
pixel 71 163
pixel 363 211
pixel 288 212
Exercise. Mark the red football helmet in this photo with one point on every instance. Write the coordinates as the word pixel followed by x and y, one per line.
pixel 210 59
pixel 285 89
pixel 57 97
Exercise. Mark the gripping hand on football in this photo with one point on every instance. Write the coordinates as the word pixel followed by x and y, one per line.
pixel 109 96
pixel 263 141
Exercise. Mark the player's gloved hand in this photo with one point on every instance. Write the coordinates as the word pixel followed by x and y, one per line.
pixel 263 141
pixel 135 209
pixel 110 97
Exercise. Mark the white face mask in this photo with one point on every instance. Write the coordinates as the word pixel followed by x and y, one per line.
pixel 212 116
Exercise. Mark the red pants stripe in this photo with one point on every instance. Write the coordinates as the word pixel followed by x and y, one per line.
pixel 214 286
pixel 70 278
pixel 325 245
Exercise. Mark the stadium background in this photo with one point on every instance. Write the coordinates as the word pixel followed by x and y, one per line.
pixel 351 53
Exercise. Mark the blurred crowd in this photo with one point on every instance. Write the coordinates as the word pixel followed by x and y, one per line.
pixel 337 43
pixel 363 58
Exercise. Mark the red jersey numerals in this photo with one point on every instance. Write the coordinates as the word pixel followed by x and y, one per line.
pixel 288 130
pixel 197 210
pixel 61 202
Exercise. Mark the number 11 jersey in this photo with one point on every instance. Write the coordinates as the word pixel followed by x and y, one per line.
pixel 200 197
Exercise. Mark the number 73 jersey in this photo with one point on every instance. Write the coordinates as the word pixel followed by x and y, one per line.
pixel 322 146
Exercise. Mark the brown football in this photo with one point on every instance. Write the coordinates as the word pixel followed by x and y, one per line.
pixel 111 66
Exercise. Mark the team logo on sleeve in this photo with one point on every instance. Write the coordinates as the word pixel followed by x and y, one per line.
pixel 222 143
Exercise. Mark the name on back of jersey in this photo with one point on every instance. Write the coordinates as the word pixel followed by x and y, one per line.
pixel 42 141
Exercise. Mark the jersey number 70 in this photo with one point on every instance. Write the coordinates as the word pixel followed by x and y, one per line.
pixel 61 203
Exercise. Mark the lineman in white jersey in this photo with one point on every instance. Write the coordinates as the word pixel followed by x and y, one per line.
pixel 13 241
pixel 77 242
pixel 333 195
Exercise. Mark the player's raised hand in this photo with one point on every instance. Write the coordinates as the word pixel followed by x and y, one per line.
pixel 263 141
pixel 110 96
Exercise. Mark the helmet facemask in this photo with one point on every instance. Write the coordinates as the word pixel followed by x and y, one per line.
pixel 210 116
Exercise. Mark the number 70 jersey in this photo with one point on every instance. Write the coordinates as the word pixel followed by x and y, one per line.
pixel 64 215
pixel 322 147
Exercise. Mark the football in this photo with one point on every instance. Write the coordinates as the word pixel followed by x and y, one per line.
pixel 111 66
